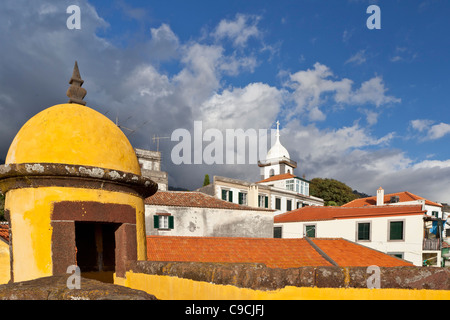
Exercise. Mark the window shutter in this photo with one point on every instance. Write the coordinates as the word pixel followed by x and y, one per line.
pixel 241 198
pixel 156 221
pixel 266 202
pixel 230 196
pixel 224 194
pixel 170 222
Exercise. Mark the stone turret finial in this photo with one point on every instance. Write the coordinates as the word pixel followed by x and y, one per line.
pixel 75 92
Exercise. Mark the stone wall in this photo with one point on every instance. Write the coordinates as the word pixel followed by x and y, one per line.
pixel 259 277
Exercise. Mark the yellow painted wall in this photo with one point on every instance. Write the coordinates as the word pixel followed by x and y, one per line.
pixel 4 263
pixel 174 288
pixel 30 211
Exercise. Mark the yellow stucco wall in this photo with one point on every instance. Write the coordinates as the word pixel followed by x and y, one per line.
pixel 174 288
pixel 30 212
pixel 4 263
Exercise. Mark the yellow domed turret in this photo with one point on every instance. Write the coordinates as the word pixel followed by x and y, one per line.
pixel 73 134
pixel 74 194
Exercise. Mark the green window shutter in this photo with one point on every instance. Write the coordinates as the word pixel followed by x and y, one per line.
pixel 310 231
pixel 277 232
pixel 241 198
pixel 224 194
pixel 396 230
pixel 170 222
pixel 363 231
pixel 155 221
pixel 230 196
pixel 266 202
pixel 277 203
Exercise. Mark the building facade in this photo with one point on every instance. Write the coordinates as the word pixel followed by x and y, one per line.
pixel 279 188
pixel 150 163
pixel 184 213
pixel 396 230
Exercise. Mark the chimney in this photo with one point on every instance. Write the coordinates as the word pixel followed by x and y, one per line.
pixel 380 196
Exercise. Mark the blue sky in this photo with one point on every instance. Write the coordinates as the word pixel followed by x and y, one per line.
pixel 367 107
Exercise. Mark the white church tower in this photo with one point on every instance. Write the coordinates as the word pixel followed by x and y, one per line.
pixel 277 160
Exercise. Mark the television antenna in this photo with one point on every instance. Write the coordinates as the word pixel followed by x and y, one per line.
pixel 122 127
pixel 156 139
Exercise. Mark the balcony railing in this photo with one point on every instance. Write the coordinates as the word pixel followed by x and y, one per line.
pixel 431 244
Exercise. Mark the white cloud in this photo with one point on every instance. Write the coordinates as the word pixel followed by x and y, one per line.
pixel 432 131
pixel 358 58
pixel 239 30
pixel 254 106
pixel 164 43
pixel 313 87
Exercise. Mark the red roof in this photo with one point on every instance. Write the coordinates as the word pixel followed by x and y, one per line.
pixel 278 177
pixel 194 199
pixel 403 197
pixel 4 232
pixel 274 253
pixel 316 213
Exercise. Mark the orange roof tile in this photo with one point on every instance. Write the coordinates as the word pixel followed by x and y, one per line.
pixel 316 213
pixel 279 177
pixel 4 232
pixel 403 197
pixel 194 199
pixel 274 253
pixel 350 254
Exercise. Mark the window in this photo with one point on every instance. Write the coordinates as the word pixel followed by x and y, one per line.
pixel 435 214
pixel 299 204
pixel 243 198
pixel 290 184
pixel 163 221
pixel 277 203
pixel 310 231
pixel 277 232
pixel 363 231
pixel 263 201
pixel 397 254
pixel 271 173
pixel 297 185
pixel 396 230
pixel 227 195
pixel 288 205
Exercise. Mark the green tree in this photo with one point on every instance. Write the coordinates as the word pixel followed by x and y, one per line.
pixel 333 192
pixel 206 180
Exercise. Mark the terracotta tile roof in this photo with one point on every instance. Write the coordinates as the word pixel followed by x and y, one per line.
pixel 194 199
pixel 4 232
pixel 350 254
pixel 316 213
pixel 403 197
pixel 279 177
pixel 274 253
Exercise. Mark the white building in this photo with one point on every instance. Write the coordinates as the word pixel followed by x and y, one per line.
pixel 184 213
pixel 399 228
pixel 150 163
pixel 279 189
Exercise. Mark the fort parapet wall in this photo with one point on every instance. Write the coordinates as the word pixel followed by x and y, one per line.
pixel 199 281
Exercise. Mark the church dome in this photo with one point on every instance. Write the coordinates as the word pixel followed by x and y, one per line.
pixel 73 134
pixel 277 151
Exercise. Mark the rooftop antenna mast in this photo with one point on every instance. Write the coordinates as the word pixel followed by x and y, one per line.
pixel 122 127
pixel 156 139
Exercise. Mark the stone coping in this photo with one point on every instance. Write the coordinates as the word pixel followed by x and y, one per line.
pixel 260 277
pixel 33 175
